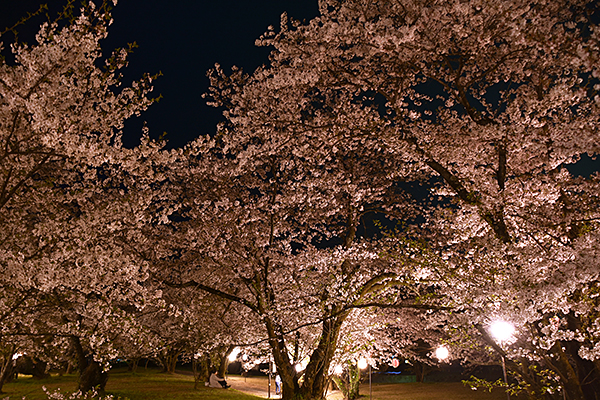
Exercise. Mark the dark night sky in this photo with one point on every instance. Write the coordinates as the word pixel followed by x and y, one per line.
pixel 182 39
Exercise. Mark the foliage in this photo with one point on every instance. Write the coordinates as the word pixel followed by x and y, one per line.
pixel 484 104
pixel 260 233
pixel 70 194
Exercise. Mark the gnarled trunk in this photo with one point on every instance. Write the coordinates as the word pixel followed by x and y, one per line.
pixel 315 375
pixel 168 360
pixel 30 366
pixel 91 374
pixel 6 367
pixel 201 369
pixel 93 377
pixel 225 361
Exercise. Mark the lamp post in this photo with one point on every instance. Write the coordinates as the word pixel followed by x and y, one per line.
pixel 270 374
pixel 244 359
pixel 362 364
pixel 502 331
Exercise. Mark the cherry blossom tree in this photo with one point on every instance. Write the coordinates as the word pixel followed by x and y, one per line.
pixel 482 103
pixel 70 195
pixel 269 220
pixel 487 103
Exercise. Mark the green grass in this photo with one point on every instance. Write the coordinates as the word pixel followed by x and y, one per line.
pixel 144 385
pixel 432 391
pixel 152 385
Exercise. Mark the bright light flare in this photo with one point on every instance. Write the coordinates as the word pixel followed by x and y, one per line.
pixel 362 363
pixel 442 353
pixel 502 331
pixel 233 355
pixel 299 368
pixel 338 370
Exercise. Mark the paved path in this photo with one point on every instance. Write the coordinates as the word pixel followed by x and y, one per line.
pixel 239 384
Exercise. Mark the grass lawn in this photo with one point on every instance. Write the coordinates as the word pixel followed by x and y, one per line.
pixel 394 391
pixel 432 391
pixel 144 385
pixel 152 385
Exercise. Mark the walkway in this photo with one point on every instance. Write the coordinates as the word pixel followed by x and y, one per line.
pixel 258 386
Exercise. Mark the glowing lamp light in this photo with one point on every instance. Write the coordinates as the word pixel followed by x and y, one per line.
pixel 338 369
pixel 233 355
pixel 502 330
pixel 362 363
pixel 442 353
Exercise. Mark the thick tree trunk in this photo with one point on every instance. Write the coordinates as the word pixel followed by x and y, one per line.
pixel 224 361
pixel 91 374
pixel 93 377
pixel 315 375
pixel 201 369
pixel 6 369
pixel 421 370
pixel 30 366
pixel 285 368
pixel 168 360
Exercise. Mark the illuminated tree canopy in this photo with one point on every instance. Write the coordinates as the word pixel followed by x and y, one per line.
pixel 396 176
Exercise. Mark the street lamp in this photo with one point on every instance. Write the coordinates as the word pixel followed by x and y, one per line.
pixel 234 353
pixel 362 364
pixel 442 353
pixel 502 331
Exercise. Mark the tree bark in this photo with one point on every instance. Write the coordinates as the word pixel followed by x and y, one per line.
pixel 6 369
pixel 132 365
pixel 420 371
pixel 168 360
pixel 93 377
pixel 317 369
pixel 225 361
pixel 91 374
pixel 201 369
pixel 315 375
